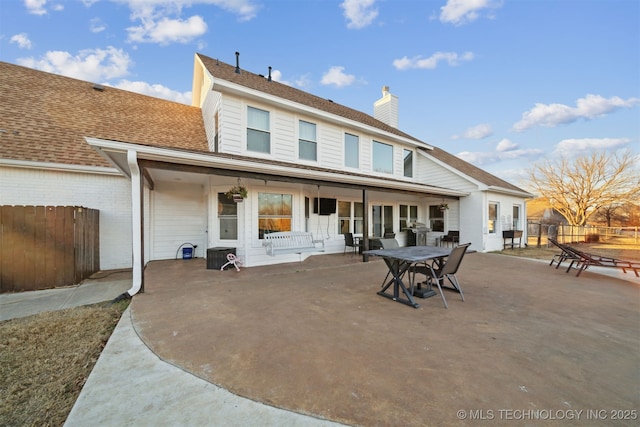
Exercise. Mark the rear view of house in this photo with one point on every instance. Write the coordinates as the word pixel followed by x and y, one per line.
pixel 160 172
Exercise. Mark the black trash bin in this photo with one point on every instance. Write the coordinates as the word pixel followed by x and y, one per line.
pixel 217 257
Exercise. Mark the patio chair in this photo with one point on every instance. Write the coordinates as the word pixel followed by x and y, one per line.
pixel 582 260
pixel 565 254
pixel 389 243
pixel 350 242
pixel 453 237
pixel 436 274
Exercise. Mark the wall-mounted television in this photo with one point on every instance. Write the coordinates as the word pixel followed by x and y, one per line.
pixel 324 206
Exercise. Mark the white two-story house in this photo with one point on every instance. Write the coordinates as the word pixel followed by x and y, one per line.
pixel 158 171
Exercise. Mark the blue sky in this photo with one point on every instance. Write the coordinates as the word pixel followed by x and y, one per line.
pixel 501 83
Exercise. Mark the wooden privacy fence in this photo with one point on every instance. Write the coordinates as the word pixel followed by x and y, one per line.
pixel 43 247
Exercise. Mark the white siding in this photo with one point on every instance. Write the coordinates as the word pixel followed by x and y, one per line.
pixel 208 115
pixel 178 216
pixel 331 150
pixel 110 194
pixel 232 126
pixel 284 142
pixel 431 173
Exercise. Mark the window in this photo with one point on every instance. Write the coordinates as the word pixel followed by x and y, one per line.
pixel 382 157
pixel 408 215
pixel 227 218
pixel 516 217
pixel 307 145
pixel 493 217
pixel 351 151
pixel 274 213
pixel 436 218
pixel 408 163
pixel 382 220
pixel 350 217
pixel 258 136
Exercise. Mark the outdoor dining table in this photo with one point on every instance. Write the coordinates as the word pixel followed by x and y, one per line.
pixel 399 261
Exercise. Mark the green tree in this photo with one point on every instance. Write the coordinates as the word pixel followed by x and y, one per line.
pixel 579 187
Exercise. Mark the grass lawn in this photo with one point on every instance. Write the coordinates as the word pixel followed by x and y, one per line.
pixel 45 360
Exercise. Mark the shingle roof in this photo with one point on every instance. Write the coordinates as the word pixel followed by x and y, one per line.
pixel 44 118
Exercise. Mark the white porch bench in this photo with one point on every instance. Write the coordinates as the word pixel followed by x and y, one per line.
pixel 291 242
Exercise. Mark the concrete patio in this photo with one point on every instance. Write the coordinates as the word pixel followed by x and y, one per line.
pixel 315 338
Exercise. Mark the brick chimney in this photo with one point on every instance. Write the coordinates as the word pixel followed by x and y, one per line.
pixel 385 109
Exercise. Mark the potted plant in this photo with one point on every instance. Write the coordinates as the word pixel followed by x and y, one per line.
pixel 443 206
pixel 237 193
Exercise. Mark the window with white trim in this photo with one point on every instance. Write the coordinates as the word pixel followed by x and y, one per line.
pixel 258 134
pixel 493 218
pixel 275 213
pixel 408 163
pixel 350 217
pixel 351 151
pixel 408 216
pixel 227 218
pixel 516 217
pixel 436 218
pixel 307 142
pixel 382 157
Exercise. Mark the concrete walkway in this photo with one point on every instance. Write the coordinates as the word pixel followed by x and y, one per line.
pixel 130 385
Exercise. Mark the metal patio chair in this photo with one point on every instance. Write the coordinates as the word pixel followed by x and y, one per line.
pixel 436 273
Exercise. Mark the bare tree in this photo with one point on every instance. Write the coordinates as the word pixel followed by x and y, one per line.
pixel 577 188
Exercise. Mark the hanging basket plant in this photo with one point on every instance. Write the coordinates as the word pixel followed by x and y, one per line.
pixel 443 206
pixel 237 193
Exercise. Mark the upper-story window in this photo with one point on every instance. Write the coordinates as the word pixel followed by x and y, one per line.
pixel 408 163
pixel 258 134
pixel 307 142
pixel 382 157
pixel 351 151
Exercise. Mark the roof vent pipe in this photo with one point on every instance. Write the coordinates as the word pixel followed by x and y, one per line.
pixel 269 79
pixel 237 62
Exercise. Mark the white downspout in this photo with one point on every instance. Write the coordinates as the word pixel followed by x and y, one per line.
pixel 136 222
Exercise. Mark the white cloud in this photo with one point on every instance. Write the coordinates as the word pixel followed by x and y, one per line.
pixel 506 145
pixel 36 7
pixel 165 30
pixel 22 40
pixel 452 58
pixel 161 21
pixel 477 132
pixel 92 64
pixel 157 91
pixel 96 25
pixel 359 13
pixel 460 12
pixel 505 150
pixel 574 147
pixel 337 77
pixel 589 107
